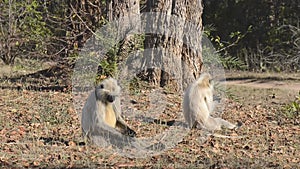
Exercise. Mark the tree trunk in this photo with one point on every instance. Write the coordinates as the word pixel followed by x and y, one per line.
pixel 177 50
pixel 120 8
pixel 126 13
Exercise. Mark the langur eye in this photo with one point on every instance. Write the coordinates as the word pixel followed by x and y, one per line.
pixel 101 86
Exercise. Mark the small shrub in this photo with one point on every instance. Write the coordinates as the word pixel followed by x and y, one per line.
pixel 292 110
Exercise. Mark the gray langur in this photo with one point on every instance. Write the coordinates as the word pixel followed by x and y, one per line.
pixel 198 105
pixel 103 108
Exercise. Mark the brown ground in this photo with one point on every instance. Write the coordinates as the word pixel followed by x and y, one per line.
pixel 282 81
pixel 39 127
pixel 264 88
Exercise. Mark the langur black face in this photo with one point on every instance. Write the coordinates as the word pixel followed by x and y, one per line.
pixel 111 98
pixel 107 91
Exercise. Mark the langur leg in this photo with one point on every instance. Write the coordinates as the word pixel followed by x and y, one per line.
pixel 124 129
pixel 227 124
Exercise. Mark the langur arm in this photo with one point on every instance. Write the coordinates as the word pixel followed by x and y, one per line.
pixel 124 129
pixel 121 124
pixel 117 110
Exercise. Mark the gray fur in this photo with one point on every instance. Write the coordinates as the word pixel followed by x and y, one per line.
pixel 198 105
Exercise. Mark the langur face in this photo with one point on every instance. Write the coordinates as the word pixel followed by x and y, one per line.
pixel 107 91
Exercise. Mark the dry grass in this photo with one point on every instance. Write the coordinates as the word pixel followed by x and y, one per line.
pixel 40 129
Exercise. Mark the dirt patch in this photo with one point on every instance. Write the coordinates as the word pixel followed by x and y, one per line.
pixel 263 89
pixel 267 84
pixel 265 81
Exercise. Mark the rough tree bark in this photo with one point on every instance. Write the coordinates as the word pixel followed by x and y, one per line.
pixel 173 47
pixel 120 8
pixel 180 59
pixel 126 12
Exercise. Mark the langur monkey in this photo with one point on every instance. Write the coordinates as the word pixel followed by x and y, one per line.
pixel 103 108
pixel 198 105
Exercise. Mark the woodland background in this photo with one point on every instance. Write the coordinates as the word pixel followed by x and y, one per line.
pixel 258 41
pixel 259 35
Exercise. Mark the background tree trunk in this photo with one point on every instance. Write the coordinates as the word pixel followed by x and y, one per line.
pixel 180 51
pixel 120 8
pixel 126 12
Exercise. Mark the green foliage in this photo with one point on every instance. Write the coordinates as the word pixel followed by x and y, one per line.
pixel 292 110
pixel 34 25
pixel 23 23
pixel 221 56
pixel 231 62
pixel 118 53
pixel 138 40
pixel 109 65
pixel 108 68
pixel 252 32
